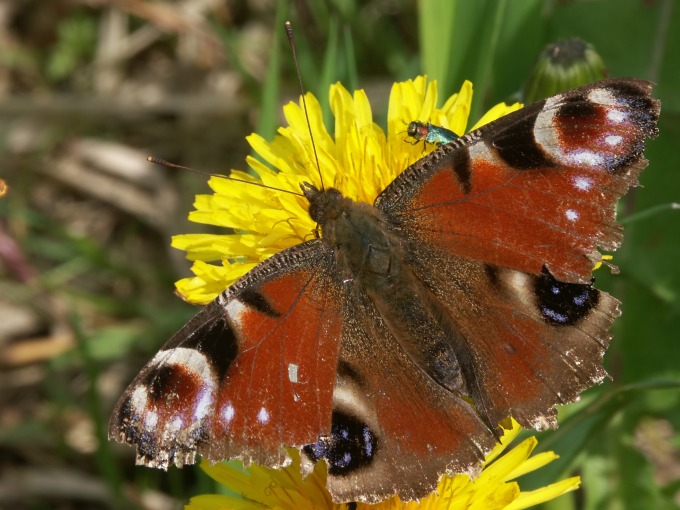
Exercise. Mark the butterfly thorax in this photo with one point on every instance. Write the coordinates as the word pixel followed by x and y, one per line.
pixel 358 233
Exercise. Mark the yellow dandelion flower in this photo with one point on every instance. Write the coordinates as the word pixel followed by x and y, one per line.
pixel 360 161
pixel 285 489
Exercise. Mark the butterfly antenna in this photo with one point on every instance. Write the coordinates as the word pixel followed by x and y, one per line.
pixel 291 40
pixel 168 164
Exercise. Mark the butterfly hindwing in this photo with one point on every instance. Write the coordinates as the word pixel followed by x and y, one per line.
pixel 530 341
pixel 395 429
pixel 252 372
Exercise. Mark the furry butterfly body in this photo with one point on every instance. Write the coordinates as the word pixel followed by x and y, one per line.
pixel 393 345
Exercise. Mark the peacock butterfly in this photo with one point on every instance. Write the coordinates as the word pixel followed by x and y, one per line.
pixel 393 344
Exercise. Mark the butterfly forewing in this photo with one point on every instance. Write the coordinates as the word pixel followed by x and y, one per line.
pixel 252 372
pixel 536 187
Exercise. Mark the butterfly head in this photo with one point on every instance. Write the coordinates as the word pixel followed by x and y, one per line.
pixel 324 204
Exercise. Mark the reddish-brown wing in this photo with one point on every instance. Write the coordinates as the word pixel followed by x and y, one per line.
pixel 536 187
pixel 395 429
pixel 252 372
pixel 531 341
pixel 502 226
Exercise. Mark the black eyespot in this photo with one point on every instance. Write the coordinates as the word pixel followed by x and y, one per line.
pixel 352 445
pixel 561 303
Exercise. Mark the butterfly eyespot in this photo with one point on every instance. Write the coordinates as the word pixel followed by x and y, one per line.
pixel 352 445
pixel 562 303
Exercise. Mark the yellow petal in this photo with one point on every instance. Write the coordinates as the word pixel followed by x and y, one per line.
pixel 532 464
pixel 457 108
pixel 528 499
pixel 496 112
pixel 505 464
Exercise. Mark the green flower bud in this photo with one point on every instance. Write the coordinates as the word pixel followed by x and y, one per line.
pixel 562 66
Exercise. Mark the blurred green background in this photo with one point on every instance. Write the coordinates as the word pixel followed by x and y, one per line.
pixel 89 88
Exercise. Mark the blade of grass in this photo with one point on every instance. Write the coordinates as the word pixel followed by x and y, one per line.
pixel 328 71
pixel 268 121
pixel 351 59
pixel 459 41
pixel 486 52
pixel 441 46
pixel 649 213
pixel 320 11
